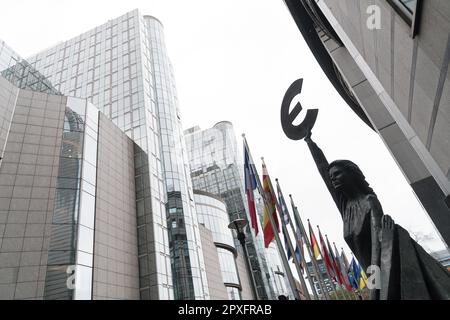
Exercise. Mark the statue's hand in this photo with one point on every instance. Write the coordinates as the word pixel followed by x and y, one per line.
pixel 387 228
pixel 308 135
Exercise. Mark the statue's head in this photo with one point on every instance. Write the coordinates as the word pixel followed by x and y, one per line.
pixel 346 177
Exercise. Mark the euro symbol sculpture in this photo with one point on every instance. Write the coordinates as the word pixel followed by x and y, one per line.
pixel 296 132
pixel 408 272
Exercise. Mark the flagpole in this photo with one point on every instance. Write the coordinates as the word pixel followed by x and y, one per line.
pixel 288 238
pixel 295 290
pixel 326 269
pixel 299 243
pixel 299 224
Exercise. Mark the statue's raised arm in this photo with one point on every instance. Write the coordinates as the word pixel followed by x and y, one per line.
pixel 323 167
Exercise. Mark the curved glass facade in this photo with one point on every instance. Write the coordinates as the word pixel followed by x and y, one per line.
pixel 228 266
pixel 212 213
pixel 184 236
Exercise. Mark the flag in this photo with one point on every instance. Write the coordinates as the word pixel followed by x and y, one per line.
pixel 349 270
pixel 326 257
pixel 299 236
pixel 358 273
pixel 343 268
pixel 314 245
pixel 335 264
pixel 353 282
pixel 270 205
pixel 362 279
pixel 299 257
pixel 299 250
pixel 282 203
pixel 285 216
pixel 289 253
pixel 298 253
pixel 250 186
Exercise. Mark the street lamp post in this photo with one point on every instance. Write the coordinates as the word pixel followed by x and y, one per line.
pixel 239 225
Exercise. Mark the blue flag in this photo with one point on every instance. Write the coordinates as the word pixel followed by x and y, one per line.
pixel 355 273
pixel 352 281
pixel 284 209
pixel 250 185
pixel 286 221
pixel 289 254
pixel 298 255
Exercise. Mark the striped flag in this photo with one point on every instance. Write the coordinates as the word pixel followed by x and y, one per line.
pixel 326 257
pixel 250 186
pixel 313 241
pixel 270 205
pixel 289 253
pixel 335 263
pixel 343 268
pixel 284 209
pixel 286 221
pixel 299 250
pixel 359 274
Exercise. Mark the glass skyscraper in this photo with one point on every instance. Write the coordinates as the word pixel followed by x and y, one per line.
pixel 217 167
pixel 122 67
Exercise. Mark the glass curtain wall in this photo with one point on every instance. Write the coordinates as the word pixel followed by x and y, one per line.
pixel 184 236
pixel 72 233
pixel 216 167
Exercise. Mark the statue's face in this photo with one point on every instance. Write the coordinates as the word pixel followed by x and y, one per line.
pixel 340 178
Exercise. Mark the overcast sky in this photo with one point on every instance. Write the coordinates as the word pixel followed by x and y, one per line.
pixel 234 60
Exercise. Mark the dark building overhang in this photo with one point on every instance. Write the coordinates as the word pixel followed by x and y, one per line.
pixel 307 16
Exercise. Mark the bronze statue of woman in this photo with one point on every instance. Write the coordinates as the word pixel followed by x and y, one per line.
pixel 407 271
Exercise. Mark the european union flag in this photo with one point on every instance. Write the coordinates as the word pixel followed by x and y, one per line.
pixel 356 273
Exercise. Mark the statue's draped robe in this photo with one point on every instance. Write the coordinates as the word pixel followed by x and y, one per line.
pixel 407 271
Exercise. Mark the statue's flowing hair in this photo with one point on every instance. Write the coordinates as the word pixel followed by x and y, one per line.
pixel 359 180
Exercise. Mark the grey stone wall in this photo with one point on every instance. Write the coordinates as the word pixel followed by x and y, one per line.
pixel 403 85
pixel 413 71
pixel 116 272
pixel 27 183
pixel 217 290
pixel 244 277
